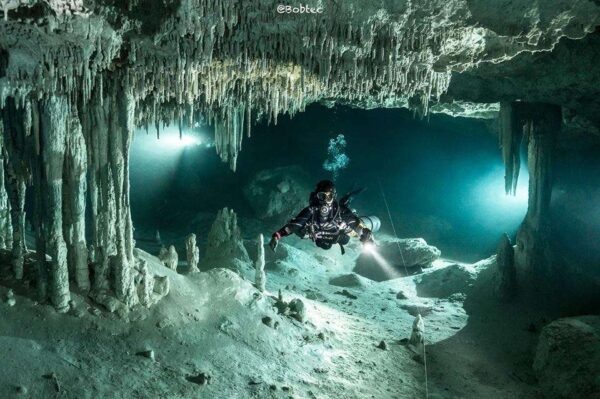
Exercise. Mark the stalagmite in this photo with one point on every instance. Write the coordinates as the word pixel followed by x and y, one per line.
pixel 506 284
pixel 193 253
pixel 543 124
pixel 417 336
pixel 146 287
pixel 172 258
pixel 511 136
pixel 225 246
pixel 259 265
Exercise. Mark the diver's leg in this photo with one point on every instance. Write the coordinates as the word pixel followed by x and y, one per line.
pixel 343 239
pixel 302 233
pixel 323 244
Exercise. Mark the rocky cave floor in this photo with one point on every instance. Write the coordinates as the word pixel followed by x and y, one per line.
pixel 216 336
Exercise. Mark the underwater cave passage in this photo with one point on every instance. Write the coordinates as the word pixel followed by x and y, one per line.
pixel 443 177
pixel 378 199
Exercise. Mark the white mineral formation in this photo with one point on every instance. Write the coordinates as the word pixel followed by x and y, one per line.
pixel 225 246
pixel 146 288
pixel 10 298
pixel 171 258
pixel 417 336
pixel 192 253
pixel 259 265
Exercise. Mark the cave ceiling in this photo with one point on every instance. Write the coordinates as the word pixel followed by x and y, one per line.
pixel 233 62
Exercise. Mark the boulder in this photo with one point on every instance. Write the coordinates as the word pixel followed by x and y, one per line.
pixel 443 283
pixel 389 262
pixel 348 280
pixel 567 359
pixel 278 193
pixel 297 310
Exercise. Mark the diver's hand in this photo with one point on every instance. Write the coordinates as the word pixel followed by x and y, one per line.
pixel 274 242
pixel 366 236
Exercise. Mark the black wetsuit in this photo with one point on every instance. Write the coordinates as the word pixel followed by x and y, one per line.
pixel 325 229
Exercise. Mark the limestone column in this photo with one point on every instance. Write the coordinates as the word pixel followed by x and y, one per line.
pixel 55 112
pixel 74 206
pixel 543 124
pixel 17 122
pixel 5 224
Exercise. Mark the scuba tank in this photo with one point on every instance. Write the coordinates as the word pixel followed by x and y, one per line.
pixel 372 223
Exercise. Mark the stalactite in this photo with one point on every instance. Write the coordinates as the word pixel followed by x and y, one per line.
pixel 511 136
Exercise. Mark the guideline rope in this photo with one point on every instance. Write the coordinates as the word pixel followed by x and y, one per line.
pixel 387 207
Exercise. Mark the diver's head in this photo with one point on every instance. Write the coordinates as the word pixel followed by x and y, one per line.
pixel 325 192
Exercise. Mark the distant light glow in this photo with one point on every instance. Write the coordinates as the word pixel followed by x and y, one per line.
pixel 492 192
pixel 493 207
pixel 174 141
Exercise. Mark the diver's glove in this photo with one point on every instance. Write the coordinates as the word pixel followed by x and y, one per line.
pixel 366 236
pixel 274 241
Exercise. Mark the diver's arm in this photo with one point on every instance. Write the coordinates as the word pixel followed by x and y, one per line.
pixel 355 227
pixel 293 226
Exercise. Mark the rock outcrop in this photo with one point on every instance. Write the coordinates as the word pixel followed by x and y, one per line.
pixel 395 257
pixel 506 271
pixel 442 283
pixel 567 359
pixel 278 193
pixel 350 280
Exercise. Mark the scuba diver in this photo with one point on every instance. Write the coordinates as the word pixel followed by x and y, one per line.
pixel 326 220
